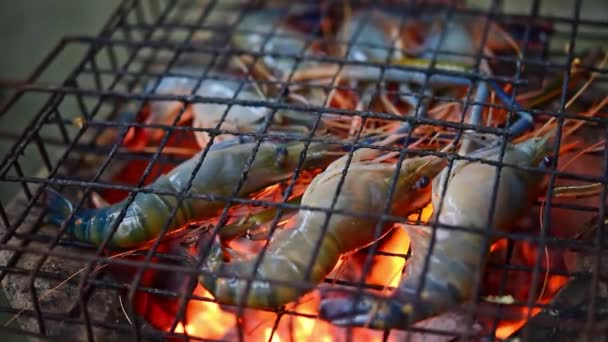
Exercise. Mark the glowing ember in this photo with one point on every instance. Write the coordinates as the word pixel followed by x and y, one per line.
pixel 554 284
pixel 498 245
pixel 505 329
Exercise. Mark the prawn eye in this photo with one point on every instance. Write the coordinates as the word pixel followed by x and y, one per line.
pixel 422 182
pixel 548 161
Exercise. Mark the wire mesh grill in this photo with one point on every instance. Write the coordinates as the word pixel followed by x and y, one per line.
pixel 56 284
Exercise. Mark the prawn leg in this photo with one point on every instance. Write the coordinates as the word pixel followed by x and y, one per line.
pixel 579 191
pixel 249 223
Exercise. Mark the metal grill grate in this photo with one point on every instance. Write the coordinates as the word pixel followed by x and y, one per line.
pixel 58 286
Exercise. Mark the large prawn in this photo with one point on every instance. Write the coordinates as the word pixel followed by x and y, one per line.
pixel 290 252
pixel 455 257
pixel 206 115
pixel 267 31
pixel 220 170
pixel 378 36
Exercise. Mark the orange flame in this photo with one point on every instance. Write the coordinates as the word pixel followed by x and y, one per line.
pixel 425 215
pixel 206 317
pixel 387 269
pixel 398 244
pixel 206 320
pixel 505 329
pixel 500 244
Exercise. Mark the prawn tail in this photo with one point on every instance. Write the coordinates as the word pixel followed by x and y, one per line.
pixel 58 211
pixel 58 208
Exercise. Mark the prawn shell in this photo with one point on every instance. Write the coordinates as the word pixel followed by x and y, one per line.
pixel 265 31
pixel 150 211
pixel 457 256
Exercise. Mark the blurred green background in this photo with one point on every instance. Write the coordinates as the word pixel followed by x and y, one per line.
pixel 31 28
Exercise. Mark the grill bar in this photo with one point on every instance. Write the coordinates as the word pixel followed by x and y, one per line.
pixel 57 284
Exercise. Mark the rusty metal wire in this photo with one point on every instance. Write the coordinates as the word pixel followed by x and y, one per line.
pixel 114 69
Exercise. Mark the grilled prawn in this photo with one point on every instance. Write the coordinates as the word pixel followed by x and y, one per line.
pixel 456 256
pixel 290 252
pixel 268 32
pixel 207 115
pixel 219 173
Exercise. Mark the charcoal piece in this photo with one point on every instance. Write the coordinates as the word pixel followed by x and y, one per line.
pixel 454 323
pixel 565 318
pixel 102 306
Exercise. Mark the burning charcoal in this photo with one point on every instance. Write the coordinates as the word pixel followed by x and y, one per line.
pixel 584 260
pixel 57 289
pixel 522 259
pixel 565 316
pixel 452 324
